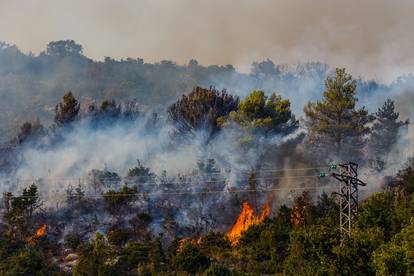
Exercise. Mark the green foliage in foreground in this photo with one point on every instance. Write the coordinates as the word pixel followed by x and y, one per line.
pixel 380 244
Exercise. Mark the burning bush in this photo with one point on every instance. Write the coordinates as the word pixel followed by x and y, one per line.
pixel 246 219
pixel 40 232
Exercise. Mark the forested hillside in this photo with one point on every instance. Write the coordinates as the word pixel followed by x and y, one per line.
pixel 132 168
pixel 30 85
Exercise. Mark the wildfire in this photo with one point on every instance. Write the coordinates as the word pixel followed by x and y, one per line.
pixel 297 217
pixel 40 232
pixel 246 219
pixel 184 241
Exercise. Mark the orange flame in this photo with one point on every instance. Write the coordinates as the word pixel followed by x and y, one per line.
pixel 246 219
pixel 40 232
pixel 184 241
pixel 297 217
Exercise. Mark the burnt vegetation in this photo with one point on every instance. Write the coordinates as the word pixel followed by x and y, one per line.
pixel 145 223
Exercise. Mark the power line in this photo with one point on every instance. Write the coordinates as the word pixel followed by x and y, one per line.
pixel 223 180
pixel 186 182
pixel 190 192
pixel 103 178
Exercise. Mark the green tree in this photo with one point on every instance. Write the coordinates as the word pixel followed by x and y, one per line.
pixel 20 210
pixel 355 254
pixel 132 256
pixel 190 259
pixel 311 250
pixel 157 256
pixel 73 240
pixel 140 224
pixel 406 177
pixel 334 124
pixel 396 257
pixel 376 211
pixel 26 262
pixel 385 131
pixel 326 210
pixel 215 240
pixel 390 210
pixel 264 247
pixel 268 114
pixel 117 202
pixel 67 111
pixel 200 109
pixel 63 48
pixel 94 258
pixel 119 236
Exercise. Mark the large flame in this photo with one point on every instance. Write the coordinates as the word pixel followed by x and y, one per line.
pixel 40 232
pixel 246 219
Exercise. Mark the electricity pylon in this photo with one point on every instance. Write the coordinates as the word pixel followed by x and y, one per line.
pixel 348 196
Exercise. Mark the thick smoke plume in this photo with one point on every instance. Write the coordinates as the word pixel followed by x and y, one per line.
pixel 117 148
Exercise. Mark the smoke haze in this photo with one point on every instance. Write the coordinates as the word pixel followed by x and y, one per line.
pixel 117 149
pixel 371 37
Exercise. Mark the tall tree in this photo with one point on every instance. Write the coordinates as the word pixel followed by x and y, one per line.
pixel 67 111
pixel 20 210
pixel 64 48
pixel 93 257
pixel 384 130
pixel 267 114
pixel 201 108
pixel 334 124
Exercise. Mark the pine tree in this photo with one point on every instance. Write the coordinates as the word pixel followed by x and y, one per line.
pixel 384 130
pixel 201 109
pixel 334 124
pixel 67 111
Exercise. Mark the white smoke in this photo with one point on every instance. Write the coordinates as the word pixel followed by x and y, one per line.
pixel 117 148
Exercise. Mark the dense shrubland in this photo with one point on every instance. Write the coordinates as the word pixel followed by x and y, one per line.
pixel 381 242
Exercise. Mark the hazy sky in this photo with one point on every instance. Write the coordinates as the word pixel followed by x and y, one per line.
pixel 373 38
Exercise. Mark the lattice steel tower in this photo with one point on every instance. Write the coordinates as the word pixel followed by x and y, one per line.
pixel 348 196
